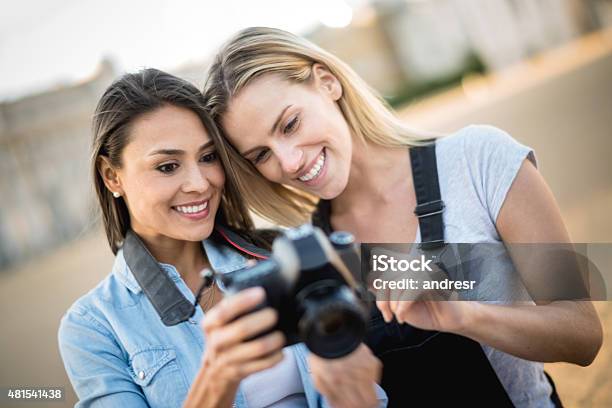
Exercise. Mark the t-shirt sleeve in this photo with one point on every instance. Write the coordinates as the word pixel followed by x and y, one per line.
pixel 494 158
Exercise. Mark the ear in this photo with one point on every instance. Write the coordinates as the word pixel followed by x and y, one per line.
pixel 326 81
pixel 109 175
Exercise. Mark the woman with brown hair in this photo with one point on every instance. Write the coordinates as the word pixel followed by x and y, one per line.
pixel 136 339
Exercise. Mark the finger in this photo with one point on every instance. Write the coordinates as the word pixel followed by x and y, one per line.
pixel 385 309
pixel 402 313
pixel 260 364
pixel 244 328
pixel 233 306
pixel 254 349
pixel 393 304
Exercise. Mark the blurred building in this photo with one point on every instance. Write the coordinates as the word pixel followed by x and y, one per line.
pixel 394 43
pixel 44 175
pixel 45 138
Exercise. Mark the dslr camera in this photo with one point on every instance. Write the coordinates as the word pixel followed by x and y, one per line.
pixel 311 281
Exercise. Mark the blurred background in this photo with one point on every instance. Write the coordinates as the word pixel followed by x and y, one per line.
pixel 540 69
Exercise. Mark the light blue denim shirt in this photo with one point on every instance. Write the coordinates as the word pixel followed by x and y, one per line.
pixel 118 353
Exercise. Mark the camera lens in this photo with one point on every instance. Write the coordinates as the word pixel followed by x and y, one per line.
pixel 330 324
pixel 333 323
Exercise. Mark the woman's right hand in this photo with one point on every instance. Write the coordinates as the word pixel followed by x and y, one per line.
pixel 229 357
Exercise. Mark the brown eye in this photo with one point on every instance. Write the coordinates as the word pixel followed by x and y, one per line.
pixel 209 157
pixel 290 127
pixel 167 168
pixel 261 156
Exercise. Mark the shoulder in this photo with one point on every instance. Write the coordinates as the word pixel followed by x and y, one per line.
pixel 89 313
pixel 476 140
pixel 96 309
pixel 485 158
pixel 483 149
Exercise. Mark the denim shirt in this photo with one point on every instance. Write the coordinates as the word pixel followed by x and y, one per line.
pixel 118 353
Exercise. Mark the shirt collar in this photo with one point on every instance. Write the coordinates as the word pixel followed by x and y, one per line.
pixel 122 272
pixel 138 270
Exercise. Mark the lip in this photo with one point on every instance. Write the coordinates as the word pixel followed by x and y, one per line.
pixel 194 216
pixel 310 165
pixel 318 179
pixel 191 203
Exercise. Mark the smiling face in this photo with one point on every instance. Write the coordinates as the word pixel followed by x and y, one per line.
pixel 170 176
pixel 294 134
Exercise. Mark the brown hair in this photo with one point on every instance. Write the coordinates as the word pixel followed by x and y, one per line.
pixel 126 99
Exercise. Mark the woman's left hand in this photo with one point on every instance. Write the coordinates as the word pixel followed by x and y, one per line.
pixel 348 382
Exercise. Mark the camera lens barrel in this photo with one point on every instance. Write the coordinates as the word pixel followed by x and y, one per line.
pixel 333 322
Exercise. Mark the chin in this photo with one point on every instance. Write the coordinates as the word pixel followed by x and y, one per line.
pixel 333 191
pixel 196 234
pixel 329 194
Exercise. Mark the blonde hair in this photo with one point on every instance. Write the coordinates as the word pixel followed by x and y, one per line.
pixel 257 51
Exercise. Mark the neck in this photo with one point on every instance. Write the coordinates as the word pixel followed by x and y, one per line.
pixel 186 256
pixel 377 172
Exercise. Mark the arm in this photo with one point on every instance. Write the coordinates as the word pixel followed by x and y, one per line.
pixel 230 356
pixel 350 381
pixel 95 364
pixel 556 331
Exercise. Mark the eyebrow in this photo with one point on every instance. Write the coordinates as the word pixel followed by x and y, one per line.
pixel 278 119
pixel 274 126
pixel 178 151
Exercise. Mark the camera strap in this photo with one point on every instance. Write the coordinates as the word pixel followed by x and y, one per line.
pixel 429 206
pixel 167 299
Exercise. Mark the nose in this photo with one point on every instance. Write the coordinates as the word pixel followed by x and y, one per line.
pixel 195 180
pixel 291 158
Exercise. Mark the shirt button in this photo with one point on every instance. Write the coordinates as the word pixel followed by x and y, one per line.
pixel 141 375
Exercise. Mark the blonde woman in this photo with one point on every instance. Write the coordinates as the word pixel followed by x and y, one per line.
pixel 302 126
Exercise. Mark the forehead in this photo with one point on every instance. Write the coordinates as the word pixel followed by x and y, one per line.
pixel 168 125
pixel 256 107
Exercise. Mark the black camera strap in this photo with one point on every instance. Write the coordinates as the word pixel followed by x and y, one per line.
pixel 167 299
pixel 429 201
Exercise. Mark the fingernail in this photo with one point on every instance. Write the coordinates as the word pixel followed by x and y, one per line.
pixel 256 293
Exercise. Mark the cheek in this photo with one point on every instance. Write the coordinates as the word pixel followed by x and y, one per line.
pixel 271 171
pixel 342 140
pixel 216 176
pixel 148 192
pixel 157 198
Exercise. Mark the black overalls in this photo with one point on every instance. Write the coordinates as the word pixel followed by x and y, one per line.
pixel 421 367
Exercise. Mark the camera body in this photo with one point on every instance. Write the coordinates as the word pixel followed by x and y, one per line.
pixel 308 283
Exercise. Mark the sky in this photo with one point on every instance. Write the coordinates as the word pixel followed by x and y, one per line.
pixel 47 43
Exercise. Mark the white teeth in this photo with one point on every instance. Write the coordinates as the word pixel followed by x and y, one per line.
pixel 190 209
pixel 314 171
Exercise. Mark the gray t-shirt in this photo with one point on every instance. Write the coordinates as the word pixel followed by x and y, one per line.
pixel 476 167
